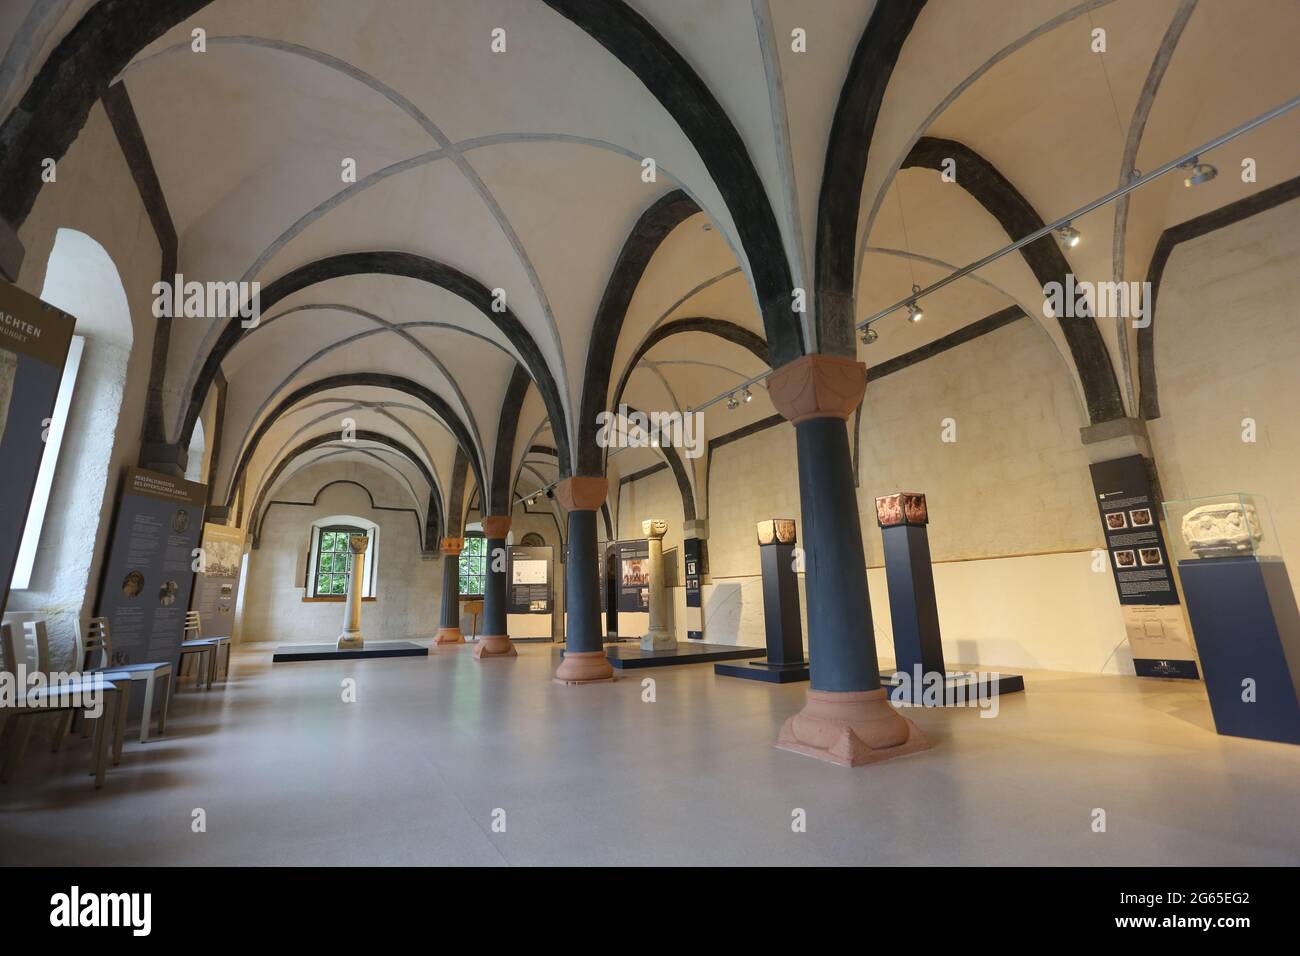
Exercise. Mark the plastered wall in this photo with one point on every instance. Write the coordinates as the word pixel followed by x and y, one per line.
pixel 409 584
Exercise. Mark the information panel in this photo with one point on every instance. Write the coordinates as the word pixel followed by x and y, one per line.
pixel 217 584
pixel 149 575
pixel 34 339
pixel 694 606
pixel 633 575
pixel 1135 546
pixel 529 574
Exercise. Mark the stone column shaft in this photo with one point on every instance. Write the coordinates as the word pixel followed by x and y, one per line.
pixel 449 622
pixel 847 719
pixel 658 637
pixel 495 641
pixel 584 654
pixel 351 637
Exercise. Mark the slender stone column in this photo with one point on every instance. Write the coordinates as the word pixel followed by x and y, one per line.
pixel 351 638
pixel 584 654
pixel 495 642
pixel 658 638
pixel 449 625
pixel 847 719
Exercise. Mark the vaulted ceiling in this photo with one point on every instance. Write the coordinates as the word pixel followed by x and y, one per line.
pixel 497 197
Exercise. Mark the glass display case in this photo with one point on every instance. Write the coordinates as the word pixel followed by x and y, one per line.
pixel 1231 525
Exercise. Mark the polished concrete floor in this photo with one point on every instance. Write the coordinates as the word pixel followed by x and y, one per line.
pixel 434 749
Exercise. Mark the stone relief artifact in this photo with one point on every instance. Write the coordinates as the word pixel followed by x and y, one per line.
pixel 1222 529
pixel 905 507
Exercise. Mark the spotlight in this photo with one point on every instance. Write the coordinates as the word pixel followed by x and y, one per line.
pixel 1200 172
pixel 914 311
pixel 732 402
pixel 746 394
pixel 1069 236
pixel 869 335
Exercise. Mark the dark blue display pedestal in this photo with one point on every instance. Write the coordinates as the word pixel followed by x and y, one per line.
pixel 918 649
pixel 785 663
pixel 1247 629
pixel 286 653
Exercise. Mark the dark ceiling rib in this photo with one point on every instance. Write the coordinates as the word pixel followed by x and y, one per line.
pixel 679 472
pixel 671 80
pixel 730 331
pixel 456 501
pixel 405 265
pixel 76 75
pixel 1214 219
pixel 642 242
pixel 362 435
pixel 435 402
pixel 847 150
pixel 507 427
pixel 1003 201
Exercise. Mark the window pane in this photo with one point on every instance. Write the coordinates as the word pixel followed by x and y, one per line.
pixel 338 584
pixel 322 584
pixel 327 541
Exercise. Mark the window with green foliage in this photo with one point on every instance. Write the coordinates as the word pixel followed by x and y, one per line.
pixel 333 561
pixel 473 566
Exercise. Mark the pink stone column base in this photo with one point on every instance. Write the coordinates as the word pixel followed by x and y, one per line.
pixel 850 728
pixel 449 635
pixel 498 645
pixel 584 667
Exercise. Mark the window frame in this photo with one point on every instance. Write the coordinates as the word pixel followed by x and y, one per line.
pixel 477 555
pixel 348 525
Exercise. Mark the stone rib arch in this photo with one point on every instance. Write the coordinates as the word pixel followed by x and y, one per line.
pixel 407 265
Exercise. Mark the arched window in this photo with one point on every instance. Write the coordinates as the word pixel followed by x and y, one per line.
pixel 473 565
pixel 329 564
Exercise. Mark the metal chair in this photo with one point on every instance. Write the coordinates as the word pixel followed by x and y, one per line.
pixel 56 696
pixel 98 641
pixel 205 648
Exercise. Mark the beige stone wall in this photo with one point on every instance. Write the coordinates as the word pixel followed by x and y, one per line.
pixel 1228 348
pixel 409 584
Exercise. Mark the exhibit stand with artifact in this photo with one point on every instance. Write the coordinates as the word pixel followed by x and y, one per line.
pixel 919 669
pixel 641 584
pixel 1243 613
pixel 785 662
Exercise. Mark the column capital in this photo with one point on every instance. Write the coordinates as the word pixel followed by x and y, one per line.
pixel 358 543
pixel 699 528
pixel 1117 438
pixel 817 386
pixel 451 546
pixel 654 528
pixel 582 492
pixel 496 527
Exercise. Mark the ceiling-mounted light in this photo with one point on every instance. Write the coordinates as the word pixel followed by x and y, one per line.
pixel 1199 172
pixel 914 311
pixel 746 394
pixel 869 335
pixel 732 402
pixel 1069 236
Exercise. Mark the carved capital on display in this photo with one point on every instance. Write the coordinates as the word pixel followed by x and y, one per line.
pixel 777 531
pixel 817 386
pixel 654 528
pixel 452 546
pixel 358 543
pixel 581 492
pixel 496 527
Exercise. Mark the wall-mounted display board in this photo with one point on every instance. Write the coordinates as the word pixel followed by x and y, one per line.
pixel 530 600
pixel 1135 545
pixel 149 575
pixel 34 340
pixel 691 554
pixel 218 582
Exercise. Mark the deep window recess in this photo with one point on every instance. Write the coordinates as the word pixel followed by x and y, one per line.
pixel 333 561
pixel 473 566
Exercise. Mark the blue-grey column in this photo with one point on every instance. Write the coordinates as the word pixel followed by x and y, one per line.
pixel 584 652
pixel 847 719
pixel 495 641
pixel 841 637
pixel 449 622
